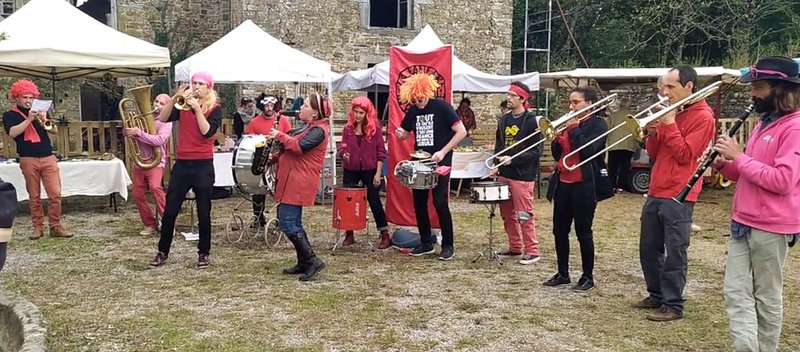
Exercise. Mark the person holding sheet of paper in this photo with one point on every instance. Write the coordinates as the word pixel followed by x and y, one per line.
pixel 36 159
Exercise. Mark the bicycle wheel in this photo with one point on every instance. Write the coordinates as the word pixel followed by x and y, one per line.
pixel 272 233
pixel 234 229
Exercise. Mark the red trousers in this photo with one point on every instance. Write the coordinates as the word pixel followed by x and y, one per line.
pixel 144 180
pixel 38 172
pixel 521 233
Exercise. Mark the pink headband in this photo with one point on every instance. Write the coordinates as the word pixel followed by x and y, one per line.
pixel 164 97
pixel 205 77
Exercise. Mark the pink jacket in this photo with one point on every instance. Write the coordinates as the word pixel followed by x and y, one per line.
pixel 767 193
pixel 147 141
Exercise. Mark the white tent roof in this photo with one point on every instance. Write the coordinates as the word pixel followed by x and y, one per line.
pixel 53 39
pixel 267 60
pixel 629 74
pixel 465 77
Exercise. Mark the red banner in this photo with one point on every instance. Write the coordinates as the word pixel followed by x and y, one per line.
pixel 402 64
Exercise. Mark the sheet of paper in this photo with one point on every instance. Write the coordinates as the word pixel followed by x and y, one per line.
pixel 191 236
pixel 41 105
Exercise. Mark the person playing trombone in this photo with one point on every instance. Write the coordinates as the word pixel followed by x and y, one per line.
pixel 574 193
pixel 675 141
pixel 520 172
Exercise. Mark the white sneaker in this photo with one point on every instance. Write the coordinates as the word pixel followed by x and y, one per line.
pixel 696 228
pixel 147 231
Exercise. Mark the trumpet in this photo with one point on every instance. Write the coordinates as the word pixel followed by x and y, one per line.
pixel 180 103
pixel 636 123
pixel 48 124
pixel 550 129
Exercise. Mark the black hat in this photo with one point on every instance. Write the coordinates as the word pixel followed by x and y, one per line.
pixel 776 68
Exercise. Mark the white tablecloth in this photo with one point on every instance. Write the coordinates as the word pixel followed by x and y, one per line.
pixel 223 173
pixel 78 178
pixel 469 165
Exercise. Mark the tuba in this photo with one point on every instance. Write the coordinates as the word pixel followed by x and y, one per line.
pixel 139 113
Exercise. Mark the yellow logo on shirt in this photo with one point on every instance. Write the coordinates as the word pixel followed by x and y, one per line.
pixel 511 133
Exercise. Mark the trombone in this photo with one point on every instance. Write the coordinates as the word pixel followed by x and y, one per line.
pixel 636 123
pixel 550 129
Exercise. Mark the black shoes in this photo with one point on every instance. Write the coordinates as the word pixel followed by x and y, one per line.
pixel 422 249
pixel 557 280
pixel 585 284
pixel 308 265
pixel 447 253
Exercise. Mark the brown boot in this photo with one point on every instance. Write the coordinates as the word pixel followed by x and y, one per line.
pixel 349 238
pixel 664 314
pixel 648 303
pixel 58 231
pixel 36 234
pixel 386 242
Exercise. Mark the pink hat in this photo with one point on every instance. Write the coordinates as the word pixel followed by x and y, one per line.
pixel 205 77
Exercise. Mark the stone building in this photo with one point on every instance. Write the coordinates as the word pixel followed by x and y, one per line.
pixel 350 34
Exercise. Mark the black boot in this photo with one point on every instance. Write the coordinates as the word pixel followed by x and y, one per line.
pixel 299 268
pixel 310 261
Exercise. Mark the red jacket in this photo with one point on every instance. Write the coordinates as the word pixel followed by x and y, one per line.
pixel 298 172
pixel 676 148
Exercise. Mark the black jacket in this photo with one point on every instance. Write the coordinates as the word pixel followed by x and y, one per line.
pixel 524 167
pixel 8 204
pixel 594 171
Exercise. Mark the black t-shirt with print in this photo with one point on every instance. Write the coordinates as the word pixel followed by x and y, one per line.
pixel 25 148
pixel 432 127
pixel 513 126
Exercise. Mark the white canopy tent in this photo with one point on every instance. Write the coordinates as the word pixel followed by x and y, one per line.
pixel 54 40
pixel 268 60
pixel 581 76
pixel 465 77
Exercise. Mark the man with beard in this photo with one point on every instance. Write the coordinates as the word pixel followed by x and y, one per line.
pixel 676 142
pixel 766 205
pixel 263 124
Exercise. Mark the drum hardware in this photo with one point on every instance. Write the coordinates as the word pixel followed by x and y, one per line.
pixel 417 174
pixel 420 155
pixel 489 252
pixel 245 159
pixel 349 212
pixel 490 194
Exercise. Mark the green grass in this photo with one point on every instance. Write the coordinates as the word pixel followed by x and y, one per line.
pixel 97 292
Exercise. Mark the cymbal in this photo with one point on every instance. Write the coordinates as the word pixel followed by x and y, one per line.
pixel 420 154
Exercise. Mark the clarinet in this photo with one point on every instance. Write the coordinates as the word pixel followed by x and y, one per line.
pixel 711 156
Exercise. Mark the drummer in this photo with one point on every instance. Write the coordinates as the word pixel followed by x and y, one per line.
pixel 437 130
pixel 263 124
pixel 363 153
pixel 519 173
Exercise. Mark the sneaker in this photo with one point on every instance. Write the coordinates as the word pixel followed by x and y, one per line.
pixel 422 249
pixel 447 253
pixel 159 259
pixel 148 231
pixel 648 303
pixel 557 280
pixel 509 253
pixel 585 284
pixel 202 261
pixel 529 259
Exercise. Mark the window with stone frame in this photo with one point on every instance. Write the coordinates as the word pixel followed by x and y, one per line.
pixel 7 8
pixel 391 13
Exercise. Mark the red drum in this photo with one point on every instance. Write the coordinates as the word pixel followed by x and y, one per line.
pixel 349 208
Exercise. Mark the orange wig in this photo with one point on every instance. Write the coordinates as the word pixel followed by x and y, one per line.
pixel 418 86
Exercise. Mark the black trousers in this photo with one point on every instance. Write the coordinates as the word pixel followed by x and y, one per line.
pixel 619 167
pixel 574 202
pixel 352 178
pixel 197 175
pixel 442 206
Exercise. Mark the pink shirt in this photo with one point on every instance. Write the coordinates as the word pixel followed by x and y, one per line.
pixel 148 141
pixel 767 193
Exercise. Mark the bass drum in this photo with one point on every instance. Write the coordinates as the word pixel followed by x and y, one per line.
pixel 243 156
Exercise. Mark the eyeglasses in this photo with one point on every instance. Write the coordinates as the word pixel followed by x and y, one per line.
pixel 576 102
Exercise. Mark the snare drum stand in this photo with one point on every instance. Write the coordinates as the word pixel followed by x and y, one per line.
pixel 491 254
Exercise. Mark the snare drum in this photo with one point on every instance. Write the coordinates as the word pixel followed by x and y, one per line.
pixel 243 177
pixel 489 192
pixel 417 174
